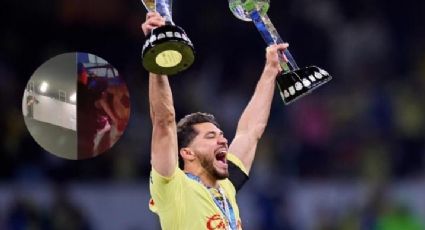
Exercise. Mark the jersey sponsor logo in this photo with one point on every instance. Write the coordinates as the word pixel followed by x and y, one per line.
pixel 216 222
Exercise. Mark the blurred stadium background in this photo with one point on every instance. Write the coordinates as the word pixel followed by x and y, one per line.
pixel 349 156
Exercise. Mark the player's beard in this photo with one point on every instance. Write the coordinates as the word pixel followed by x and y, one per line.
pixel 208 164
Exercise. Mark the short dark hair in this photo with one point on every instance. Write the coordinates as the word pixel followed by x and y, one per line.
pixel 185 131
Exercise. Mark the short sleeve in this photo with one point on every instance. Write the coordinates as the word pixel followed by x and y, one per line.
pixel 237 172
pixel 164 189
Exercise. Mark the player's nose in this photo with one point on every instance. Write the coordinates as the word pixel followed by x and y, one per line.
pixel 222 140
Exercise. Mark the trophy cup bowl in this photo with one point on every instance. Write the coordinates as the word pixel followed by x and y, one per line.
pixel 293 82
pixel 167 49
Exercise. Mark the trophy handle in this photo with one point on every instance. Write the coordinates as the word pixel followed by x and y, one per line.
pixel 269 33
pixel 271 36
pixel 163 7
pixel 149 5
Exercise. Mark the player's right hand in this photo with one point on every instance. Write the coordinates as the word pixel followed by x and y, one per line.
pixel 273 58
pixel 153 20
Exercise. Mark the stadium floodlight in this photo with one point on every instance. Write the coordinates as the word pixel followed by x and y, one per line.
pixel 43 86
pixel 73 97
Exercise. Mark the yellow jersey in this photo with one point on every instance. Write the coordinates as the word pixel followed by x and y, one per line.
pixel 183 203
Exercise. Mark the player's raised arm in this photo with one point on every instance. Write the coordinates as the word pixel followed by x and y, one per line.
pixel 164 132
pixel 254 119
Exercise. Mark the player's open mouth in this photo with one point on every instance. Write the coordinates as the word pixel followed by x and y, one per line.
pixel 220 156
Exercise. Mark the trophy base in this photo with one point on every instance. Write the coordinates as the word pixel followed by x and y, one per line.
pixel 167 50
pixel 295 84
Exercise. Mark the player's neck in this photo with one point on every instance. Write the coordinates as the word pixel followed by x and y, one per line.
pixel 204 177
pixel 208 180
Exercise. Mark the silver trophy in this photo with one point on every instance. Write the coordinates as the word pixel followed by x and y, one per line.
pixel 167 49
pixel 293 83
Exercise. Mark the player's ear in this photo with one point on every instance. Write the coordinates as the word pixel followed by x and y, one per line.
pixel 187 154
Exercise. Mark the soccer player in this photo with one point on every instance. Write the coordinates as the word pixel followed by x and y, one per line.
pixel 202 194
